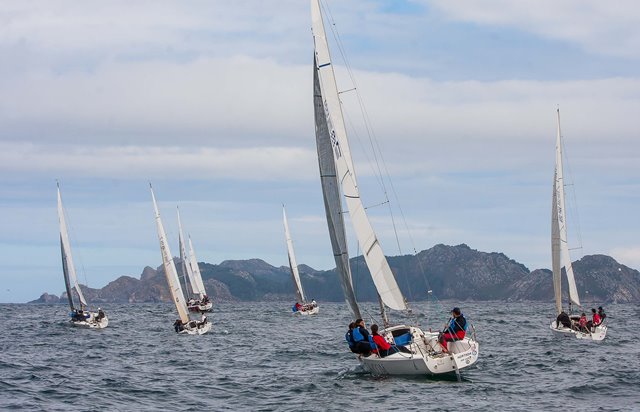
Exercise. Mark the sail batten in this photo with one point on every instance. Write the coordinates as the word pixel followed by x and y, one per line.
pixel 333 133
pixel 169 267
pixel 293 265
pixel 69 269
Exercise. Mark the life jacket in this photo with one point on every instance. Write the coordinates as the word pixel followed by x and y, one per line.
pixel 357 336
pixel 349 338
pixel 294 308
pixel 374 347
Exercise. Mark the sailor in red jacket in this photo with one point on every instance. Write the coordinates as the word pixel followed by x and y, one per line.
pixel 383 347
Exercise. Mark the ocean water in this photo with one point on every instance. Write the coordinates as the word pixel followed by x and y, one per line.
pixel 259 357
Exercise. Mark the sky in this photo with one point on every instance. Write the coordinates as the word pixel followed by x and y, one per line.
pixel 211 101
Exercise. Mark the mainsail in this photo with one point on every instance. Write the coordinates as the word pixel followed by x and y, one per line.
pixel 68 268
pixel 334 133
pixel 292 259
pixel 169 267
pixel 559 241
pixel 184 258
pixel 197 276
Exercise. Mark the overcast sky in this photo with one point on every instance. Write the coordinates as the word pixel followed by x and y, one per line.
pixel 212 102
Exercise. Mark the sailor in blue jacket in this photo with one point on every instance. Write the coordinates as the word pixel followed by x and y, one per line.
pixel 360 336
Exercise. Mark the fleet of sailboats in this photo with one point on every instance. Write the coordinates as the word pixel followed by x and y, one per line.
pixel 80 314
pixel 185 324
pixel 425 355
pixel 561 258
pixel 302 307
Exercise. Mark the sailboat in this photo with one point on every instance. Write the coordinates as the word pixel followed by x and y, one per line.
pixel 425 355
pixel 190 269
pixel 561 258
pixel 183 325
pixel 80 315
pixel 302 307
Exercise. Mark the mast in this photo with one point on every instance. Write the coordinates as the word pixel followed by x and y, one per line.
pixel 169 266
pixel 381 273
pixel 68 268
pixel 293 265
pixel 197 276
pixel 561 218
pixel 184 259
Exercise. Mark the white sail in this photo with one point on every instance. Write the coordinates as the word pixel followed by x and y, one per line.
pixel 184 258
pixel 169 267
pixel 292 259
pixel 555 249
pixel 381 273
pixel 332 198
pixel 71 279
pixel 195 269
pixel 559 227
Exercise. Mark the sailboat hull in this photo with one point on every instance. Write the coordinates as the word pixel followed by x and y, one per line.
pixel 200 307
pixel 313 311
pixel 92 322
pixel 196 329
pixel 426 358
pixel 596 334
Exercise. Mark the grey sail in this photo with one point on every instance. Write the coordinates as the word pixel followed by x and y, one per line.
pixel 555 250
pixel 332 198
pixel 65 271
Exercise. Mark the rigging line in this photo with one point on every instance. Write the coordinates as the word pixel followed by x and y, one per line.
pixel 575 209
pixel 367 121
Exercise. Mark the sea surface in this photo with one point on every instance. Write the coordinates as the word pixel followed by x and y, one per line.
pixel 259 357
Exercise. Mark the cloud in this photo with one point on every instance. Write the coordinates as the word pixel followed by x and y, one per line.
pixel 599 27
pixel 137 162
pixel 628 255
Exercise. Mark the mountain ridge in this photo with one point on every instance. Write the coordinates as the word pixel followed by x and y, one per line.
pixel 449 272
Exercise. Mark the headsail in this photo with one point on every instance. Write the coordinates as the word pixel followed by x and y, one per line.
pixel 184 258
pixel 68 268
pixel 293 265
pixel 381 273
pixel 197 276
pixel 170 267
pixel 559 227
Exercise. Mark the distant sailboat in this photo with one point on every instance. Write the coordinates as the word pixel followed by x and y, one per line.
pixel 190 268
pixel 561 258
pixel 185 324
pixel 302 307
pixel 80 315
pixel 424 355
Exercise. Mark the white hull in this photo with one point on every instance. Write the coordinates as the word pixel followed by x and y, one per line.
pixel 196 329
pixel 426 358
pixel 199 307
pixel 597 334
pixel 92 322
pixel 313 311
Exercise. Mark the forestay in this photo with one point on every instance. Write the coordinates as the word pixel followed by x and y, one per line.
pixel 69 269
pixel 170 268
pixel 376 261
pixel 292 259
pixel 559 242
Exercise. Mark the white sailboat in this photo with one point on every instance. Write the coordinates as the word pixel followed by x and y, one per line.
pixel 185 324
pixel 80 315
pixel 561 259
pixel 426 356
pixel 200 302
pixel 302 307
